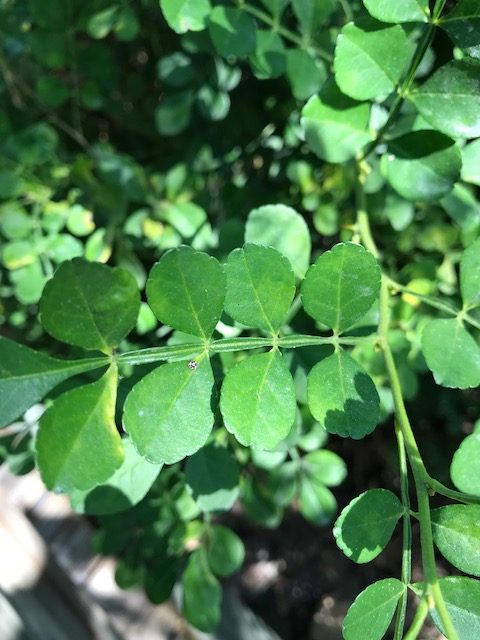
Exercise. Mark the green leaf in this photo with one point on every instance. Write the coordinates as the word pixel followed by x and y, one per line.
pixel 101 23
pixel 462 598
pixel 366 525
pixel 232 31
pixel 123 490
pixel 168 414
pixel 259 505
pixel 452 354
pixel 393 11
pixel 450 99
pixel 325 467
pixel 463 208
pixel 343 397
pixel 282 228
pixel 202 593
pixel 370 615
pixel 186 290
pixel 176 69
pixel 465 468
pixel 26 376
pixel 304 74
pixel 268 59
pixel 336 127
pixel 186 15
pixel 316 503
pixel 456 532
pixel 225 550
pixel 311 13
pixel 422 165
pixel 470 274
pixel 463 24
pixel 258 400
pixel 470 163
pixel 90 305
pixel 213 478
pixel 276 7
pixel 78 445
pixel 341 286
pixel 370 58
pixel 260 287
pixel 174 112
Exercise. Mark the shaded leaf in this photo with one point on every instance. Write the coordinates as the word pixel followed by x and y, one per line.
pixel 470 274
pixel 325 466
pixel 304 74
pixel 202 593
pixel 225 550
pixel 456 532
pixel 343 397
pixel 316 503
pixel 462 598
pixel 213 478
pixel 465 468
pixel 463 24
pixel 232 31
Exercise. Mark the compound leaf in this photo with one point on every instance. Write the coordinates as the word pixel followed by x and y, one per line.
pixel 370 58
pixel 370 615
pixel 168 414
pixel 456 532
pixel 422 165
pixel 78 445
pixel 186 290
pixel 450 99
pixel 285 230
pixel 202 593
pixel 366 525
pixel 225 550
pixel 213 478
pixel 470 274
pixel 186 15
pixel 465 467
pixel 343 397
pixel 341 286
pixel 26 376
pixel 452 354
pixel 123 490
pixel 336 127
pixel 260 287
pixel 90 305
pixel 258 400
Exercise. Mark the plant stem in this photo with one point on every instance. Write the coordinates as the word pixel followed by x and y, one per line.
pixel 283 31
pixel 407 535
pixel 420 474
pixel 418 620
pixel 459 496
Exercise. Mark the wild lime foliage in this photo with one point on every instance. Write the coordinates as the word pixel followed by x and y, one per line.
pixel 215 358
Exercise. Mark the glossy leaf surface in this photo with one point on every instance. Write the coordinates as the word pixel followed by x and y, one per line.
pixel 90 305
pixel 336 127
pixel 341 286
pixel 370 58
pixel 260 287
pixel 456 532
pixel 366 525
pixel 462 598
pixel 78 445
pixel 186 290
pixel 450 99
pixel 343 397
pixel 370 615
pixel 168 414
pixel 422 165
pixel 258 400
pixel 452 354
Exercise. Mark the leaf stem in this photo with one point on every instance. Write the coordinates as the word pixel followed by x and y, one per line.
pixel 459 496
pixel 283 31
pixel 407 535
pixel 418 620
